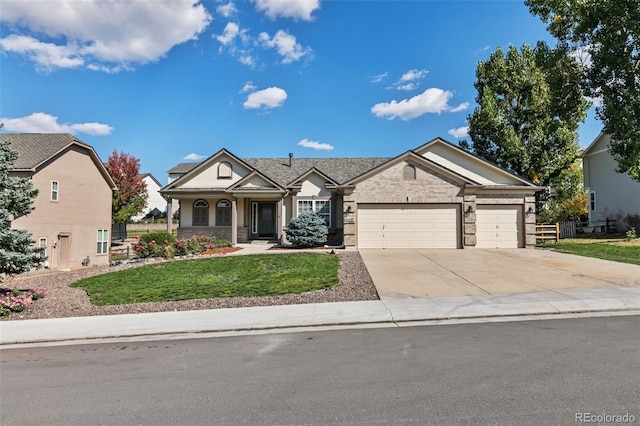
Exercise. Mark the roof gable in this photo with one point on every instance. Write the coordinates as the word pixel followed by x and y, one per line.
pixel 255 181
pixel 411 156
pixel 35 150
pixel 207 174
pixel 599 144
pixel 468 165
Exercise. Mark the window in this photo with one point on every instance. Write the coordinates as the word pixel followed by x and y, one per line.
pixel 42 243
pixel 223 213
pixel 103 238
pixel 321 207
pixel 200 213
pixel 409 172
pixel 224 170
pixel 592 201
pixel 54 190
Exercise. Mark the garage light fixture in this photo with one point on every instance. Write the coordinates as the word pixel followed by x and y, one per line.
pixel 529 211
pixel 469 209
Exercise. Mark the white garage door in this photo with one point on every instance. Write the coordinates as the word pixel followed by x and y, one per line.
pixel 499 227
pixel 408 226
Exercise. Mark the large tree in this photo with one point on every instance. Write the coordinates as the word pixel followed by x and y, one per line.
pixel 17 251
pixel 606 33
pixel 131 196
pixel 529 106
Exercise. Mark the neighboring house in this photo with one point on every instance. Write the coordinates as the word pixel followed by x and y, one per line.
pixel 612 195
pixel 154 199
pixel 436 196
pixel 72 215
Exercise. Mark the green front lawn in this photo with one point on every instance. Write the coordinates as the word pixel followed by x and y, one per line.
pixel 233 276
pixel 616 249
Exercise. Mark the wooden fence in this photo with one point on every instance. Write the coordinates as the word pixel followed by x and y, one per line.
pixel 555 231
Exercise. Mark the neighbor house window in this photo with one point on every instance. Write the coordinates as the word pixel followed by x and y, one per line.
pixel 409 172
pixel 200 213
pixel 54 190
pixel 224 170
pixel 321 207
pixel 103 239
pixel 42 243
pixel 223 213
pixel 592 201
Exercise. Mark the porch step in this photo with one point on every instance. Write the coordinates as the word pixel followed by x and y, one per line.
pixel 263 242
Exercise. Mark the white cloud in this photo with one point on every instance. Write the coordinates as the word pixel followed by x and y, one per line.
pixel 409 80
pixel 306 143
pixel 193 157
pixel 460 132
pixel 227 10
pixel 268 98
pixel 462 107
pixel 248 87
pixel 296 9
pixel 286 45
pixel 100 35
pixel 378 78
pixel 39 122
pixel 231 31
pixel 412 75
pixel 430 101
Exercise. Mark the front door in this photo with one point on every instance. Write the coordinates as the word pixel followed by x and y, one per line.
pixel 63 250
pixel 266 220
pixel 263 220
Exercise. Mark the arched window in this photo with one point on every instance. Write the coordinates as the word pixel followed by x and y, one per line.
pixel 224 170
pixel 223 213
pixel 200 213
pixel 409 172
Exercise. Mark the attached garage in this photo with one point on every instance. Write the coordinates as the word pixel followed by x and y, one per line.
pixel 408 226
pixel 499 226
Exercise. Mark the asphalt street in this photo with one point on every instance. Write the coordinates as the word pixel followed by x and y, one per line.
pixel 544 372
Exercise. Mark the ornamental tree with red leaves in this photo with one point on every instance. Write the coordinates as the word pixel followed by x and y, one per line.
pixel 131 196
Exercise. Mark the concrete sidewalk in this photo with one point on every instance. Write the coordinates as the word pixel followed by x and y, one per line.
pixel 374 313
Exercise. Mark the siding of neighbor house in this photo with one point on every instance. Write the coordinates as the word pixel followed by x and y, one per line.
pixel 83 207
pixel 154 199
pixel 615 193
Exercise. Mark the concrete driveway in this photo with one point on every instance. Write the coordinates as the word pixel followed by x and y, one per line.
pixel 414 273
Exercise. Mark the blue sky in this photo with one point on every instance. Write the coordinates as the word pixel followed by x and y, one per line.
pixel 174 81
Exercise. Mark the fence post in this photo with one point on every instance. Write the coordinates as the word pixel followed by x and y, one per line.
pixel 128 247
pixel 557 232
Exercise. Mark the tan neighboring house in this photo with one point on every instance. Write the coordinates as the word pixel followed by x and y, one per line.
pixel 612 195
pixel 435 196
pixel 72 216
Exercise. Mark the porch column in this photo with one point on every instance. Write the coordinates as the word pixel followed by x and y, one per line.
pixel 279 219
pixel 234 221
pixel 169 215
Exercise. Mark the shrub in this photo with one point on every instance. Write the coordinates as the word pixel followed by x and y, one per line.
pixel 632 221
pixel 169 248
pixel 17 300
pixel 160 236
pixel 307 230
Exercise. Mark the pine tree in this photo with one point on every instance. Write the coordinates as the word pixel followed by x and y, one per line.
pixel 307 230
pixel 17 251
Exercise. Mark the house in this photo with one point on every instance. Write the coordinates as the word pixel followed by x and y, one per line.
pixel 154 199
pixel 612 195
pixel 72 215
pixel 435 196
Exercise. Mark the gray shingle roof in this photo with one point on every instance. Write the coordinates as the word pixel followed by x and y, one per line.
pixel 36 148
pixel 340 170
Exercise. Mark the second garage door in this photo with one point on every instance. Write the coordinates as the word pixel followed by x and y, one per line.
pixel 499 227
pixel 408 226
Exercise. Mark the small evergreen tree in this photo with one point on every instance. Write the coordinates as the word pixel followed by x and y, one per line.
pixel 17 251
pixel 307 230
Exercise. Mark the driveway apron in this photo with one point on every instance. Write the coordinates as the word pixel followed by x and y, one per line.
pixel 402 273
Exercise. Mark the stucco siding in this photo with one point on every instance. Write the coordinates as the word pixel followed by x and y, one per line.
pixel 83 207
pixel 208 177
